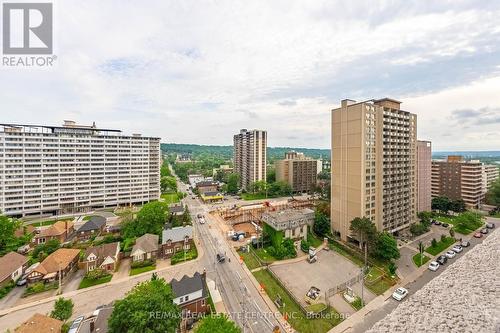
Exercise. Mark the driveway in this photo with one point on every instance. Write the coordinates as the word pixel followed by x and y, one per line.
pixel 405 262
pixel 435 232
pixel 12 298
pixel 73 282
pixel 123 270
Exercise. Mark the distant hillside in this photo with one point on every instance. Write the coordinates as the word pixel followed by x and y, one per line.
pixel 226 152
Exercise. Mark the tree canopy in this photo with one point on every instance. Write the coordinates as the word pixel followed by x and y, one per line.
pixel 321 224
pixel 63 309
pixel 8 227
pixel 364 229
pixel 493 194
pixel 148 308
pixel 217 324
pixel 150 219
pixel 386 247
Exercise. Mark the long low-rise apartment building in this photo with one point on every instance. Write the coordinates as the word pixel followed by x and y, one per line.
pixel 74 168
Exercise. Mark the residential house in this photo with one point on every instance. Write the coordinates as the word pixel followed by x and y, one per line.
pixel 207 186
pixel 292 222
pixel 24 229
pixel 63 261
pixel 39 323
pixel 93 227
pixel 12 266
pixel 61 230
pixel 105 256
pixel 145 248
pixel 176 239
pixel 97 323
pixel 191 294
pixel 176 209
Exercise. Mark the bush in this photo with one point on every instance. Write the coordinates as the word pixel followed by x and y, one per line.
pixel 36 287
pixel 392 268
pixel 443 237
pixel 6 289
pixel 434 242
pixel 180 256
pixel 96 274
pixel 304 246
pixel 144 263
pixel 418 229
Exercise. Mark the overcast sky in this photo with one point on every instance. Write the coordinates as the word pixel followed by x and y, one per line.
pixel 198 71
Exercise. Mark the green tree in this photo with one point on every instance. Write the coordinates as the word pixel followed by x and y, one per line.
pixel 63 309
pixel 8 227
pixel 392 268
pixel 168 184
pixel 365 231
pixel 441 204
pixel 47 248
pixel 271 175
pixel 186 216
pixel 421 251
pixel 217 324
pixel 150 219
pixel 386 247
pixel 321 224
pixel 457 206
pixel 232 183
pixel 452 233
pixel 493 194
pixel 434 242
pixel 133 313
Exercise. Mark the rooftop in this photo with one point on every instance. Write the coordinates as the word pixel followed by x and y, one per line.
pixel 10 263
pixel 39 323
pixel 187 285
pixel 177 234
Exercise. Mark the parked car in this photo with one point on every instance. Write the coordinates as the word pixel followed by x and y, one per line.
pixel 21 281
pixel 490 225
pixel 399 293
pixel 450 254
pixel 220 257
pixel 238 235
pixel 442 259
pixel 199 216
pixel 478 235
pixel 433 266
pixel 465 243
pixel 76 324
pixel 193 197
pixel 436 222
pixel 433 221
pixel 484 231
pixel 445 225
pixel 457 248
pixel 201 220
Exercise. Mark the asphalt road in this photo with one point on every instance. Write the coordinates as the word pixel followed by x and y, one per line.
pixel 390 304
pixel 242 300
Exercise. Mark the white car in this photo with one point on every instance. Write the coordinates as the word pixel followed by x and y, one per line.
pixel 433 266
pixel 457 248
pixel 399 293
pixel 450 254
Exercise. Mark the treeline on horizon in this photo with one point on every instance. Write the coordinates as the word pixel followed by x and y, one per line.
pixel 226 152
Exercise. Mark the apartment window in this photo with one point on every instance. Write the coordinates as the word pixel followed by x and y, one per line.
pixel 186 298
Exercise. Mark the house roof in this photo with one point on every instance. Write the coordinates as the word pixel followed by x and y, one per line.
pixel 39 323
pixel 176 208
pixel 95 223
pixel 147 243
pixel 100 321
pixel 176 234
pixel 187 285
pixel 60 259
pixel 56 229
pixel 29 229
pixel 9 263
pixel 103 251
pixel 206 183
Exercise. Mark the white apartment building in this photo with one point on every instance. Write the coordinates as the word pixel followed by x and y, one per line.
pixel 74 168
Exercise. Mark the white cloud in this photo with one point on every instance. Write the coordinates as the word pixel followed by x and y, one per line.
pixel 191 71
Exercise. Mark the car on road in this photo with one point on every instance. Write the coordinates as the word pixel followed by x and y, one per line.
pixel 199 216
pixel 221 257
pixel 457 248
pixel 433 266
pixel 490 225
pixel 76 324
pixel 484 231
pixel 478 235
pixel 399 293
pixel 437 222
pixel 442 259
pixel 445 225
pixel 193 197
pixel 450 254
pixel 465 243
pixel 201 220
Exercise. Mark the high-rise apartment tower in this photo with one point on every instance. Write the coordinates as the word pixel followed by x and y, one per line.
pixel 250 156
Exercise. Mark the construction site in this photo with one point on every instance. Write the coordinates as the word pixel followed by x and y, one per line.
pixel 248 218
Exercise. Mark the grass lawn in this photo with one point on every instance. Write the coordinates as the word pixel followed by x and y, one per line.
pixel 39 287
pixel 180 256
pixel 296 317
pixel 253 196
pixel 416 259
pixel 87 217
pixel 452 221
pixel 440 246
pixel 357 303
pixel 264 255
pixel 249 260
pixel 313 239
pixel 170 198
pixel 44 223
pixel 316 308
pixel 381 286
pixel 139 270
pixel 90 282
pixel 373 274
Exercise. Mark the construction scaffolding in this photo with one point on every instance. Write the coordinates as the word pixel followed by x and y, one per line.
pixel 253 212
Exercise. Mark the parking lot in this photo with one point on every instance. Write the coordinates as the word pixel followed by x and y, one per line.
pixel 330 270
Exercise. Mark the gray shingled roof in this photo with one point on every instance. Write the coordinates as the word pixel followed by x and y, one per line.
pixel 176 234
pixel 147 243
pixel 95 223
pixel 188 285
